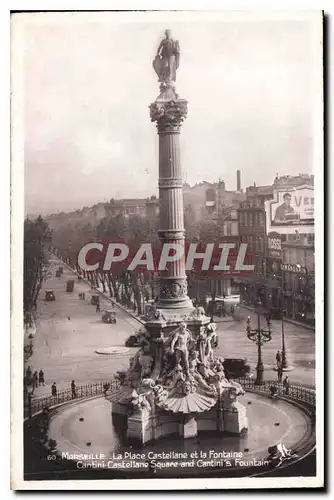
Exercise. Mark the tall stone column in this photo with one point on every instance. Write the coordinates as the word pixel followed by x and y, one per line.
pixel 169 111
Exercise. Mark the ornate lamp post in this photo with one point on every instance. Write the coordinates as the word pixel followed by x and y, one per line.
pixel 284 357
pixel 285 365
pixel 259 336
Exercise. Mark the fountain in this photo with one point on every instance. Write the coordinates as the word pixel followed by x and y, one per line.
pixel 174 384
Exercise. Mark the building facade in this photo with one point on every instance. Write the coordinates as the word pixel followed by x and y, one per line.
pixel 298 279
pixel 209 201
pixel 252 230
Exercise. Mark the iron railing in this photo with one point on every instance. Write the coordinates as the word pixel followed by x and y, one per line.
pixel 81 392
pixel 295 392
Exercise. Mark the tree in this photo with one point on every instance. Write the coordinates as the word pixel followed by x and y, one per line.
pixel 37 246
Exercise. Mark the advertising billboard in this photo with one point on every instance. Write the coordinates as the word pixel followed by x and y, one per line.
pixel 291 210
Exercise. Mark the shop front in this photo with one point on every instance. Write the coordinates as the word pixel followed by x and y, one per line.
pixel 298 293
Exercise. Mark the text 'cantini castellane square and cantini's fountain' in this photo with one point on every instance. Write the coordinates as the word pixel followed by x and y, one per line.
pixel 175 384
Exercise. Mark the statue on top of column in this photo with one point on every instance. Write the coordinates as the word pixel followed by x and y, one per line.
pixel 167 59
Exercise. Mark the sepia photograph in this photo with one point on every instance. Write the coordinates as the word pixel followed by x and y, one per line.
pixel 167 190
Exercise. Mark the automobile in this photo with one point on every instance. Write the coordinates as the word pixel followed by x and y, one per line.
pixel 70 286
pixel 133 341
pixel 49 295
pixel 236 367
pixel 109 316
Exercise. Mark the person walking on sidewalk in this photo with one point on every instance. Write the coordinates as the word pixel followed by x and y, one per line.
pixel 280 373
pixel 73 389
pixel 41 378
pixel 35 380
pixel 106 387
pixel 278 358
pixel 286 385
pixel 29 373
pixel 54 389
pixel 98 306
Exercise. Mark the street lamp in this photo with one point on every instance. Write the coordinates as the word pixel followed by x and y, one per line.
pixel 259 336
pixel 30 390
pixel 285 365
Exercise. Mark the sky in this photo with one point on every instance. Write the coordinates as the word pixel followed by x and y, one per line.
pixel 88 82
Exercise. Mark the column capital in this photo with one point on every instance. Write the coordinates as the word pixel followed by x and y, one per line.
pixel 168 115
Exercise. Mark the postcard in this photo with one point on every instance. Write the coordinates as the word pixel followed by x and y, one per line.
pixel 167 180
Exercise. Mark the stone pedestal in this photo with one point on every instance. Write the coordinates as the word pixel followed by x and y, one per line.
pixel 188 427
pixel 235 419
pixel 145 426
pixel 140 428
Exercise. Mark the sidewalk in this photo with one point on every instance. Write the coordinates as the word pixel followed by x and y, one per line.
pixel 286 320
pixel 29 330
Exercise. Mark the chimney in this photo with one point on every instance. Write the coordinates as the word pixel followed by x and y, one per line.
pixel 238 180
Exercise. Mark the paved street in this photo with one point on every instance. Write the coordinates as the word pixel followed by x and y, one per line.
pixel 65 348
pixel 299 341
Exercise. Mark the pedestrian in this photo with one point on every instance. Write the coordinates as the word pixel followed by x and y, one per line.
pixel 41 378
pixel 54 389
pixel 286 385
pixel 106 386
pixel 29 373
pixel 280 373
pixel 83 296
pixel 73 389
pixel 278 358
pixel 98 306
pixel 35 379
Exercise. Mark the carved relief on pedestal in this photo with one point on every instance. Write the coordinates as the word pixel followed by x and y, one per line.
pixel 152 313
pixel 169 115
pixel 173 289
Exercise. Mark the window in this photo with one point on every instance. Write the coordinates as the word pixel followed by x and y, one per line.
pixel 210 194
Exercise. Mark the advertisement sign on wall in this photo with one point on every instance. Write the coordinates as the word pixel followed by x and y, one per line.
pixel 274 246
pixel 291 210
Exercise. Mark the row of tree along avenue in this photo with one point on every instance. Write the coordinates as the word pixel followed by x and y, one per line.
pixel 131 288
pixel 37 250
